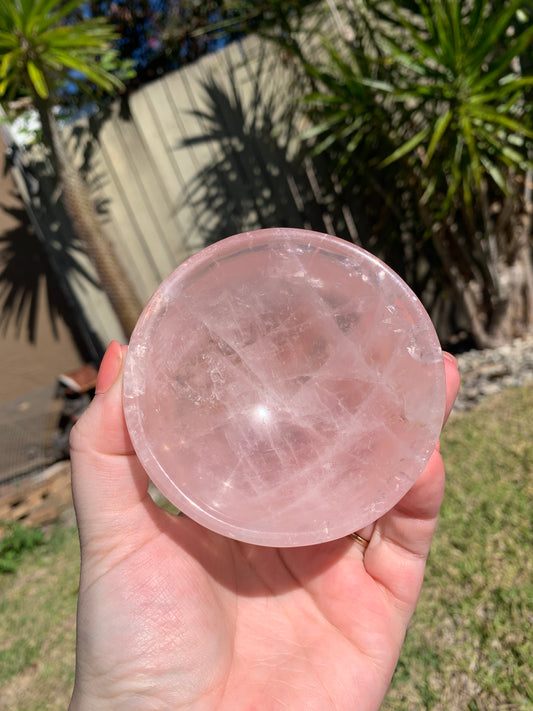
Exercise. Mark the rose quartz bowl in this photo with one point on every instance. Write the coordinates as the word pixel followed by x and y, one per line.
pixel 284 388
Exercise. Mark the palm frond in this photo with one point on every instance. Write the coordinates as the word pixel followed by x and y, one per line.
pixel 405 148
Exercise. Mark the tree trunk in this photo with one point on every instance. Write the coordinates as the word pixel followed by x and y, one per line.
pixel 513 313
pixel 489 269
pixel 80 209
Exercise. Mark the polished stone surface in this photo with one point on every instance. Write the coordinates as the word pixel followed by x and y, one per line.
pixel 284 387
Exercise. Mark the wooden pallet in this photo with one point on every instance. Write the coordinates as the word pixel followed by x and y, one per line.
pixel 38 500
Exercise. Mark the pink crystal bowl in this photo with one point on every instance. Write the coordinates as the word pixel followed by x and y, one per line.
pixel 284 387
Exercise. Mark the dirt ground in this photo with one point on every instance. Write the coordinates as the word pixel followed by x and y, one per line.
pixel 27 366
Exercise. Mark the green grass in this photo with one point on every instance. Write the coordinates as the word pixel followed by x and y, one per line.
pixel 37 625
pixel 469 647
pixel 470 644
pixel 16 540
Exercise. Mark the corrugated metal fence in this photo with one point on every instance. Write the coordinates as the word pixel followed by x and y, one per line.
pixel 206 152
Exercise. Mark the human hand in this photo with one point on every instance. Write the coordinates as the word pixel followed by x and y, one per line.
pixel 174 616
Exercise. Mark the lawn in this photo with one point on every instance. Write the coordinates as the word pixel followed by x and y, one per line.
pixel 37 625
pixel 469 646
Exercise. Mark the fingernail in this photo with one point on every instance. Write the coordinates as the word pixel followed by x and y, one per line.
pixel 109 368
pixel 450 358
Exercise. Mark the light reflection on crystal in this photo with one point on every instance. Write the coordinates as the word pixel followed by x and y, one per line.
pixel 262 414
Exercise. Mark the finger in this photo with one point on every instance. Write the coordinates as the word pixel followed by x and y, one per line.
pixel 453 381
pixel 452 388
pixel 401 539
pixel 396 556
pixel 102 429
pixel 107 478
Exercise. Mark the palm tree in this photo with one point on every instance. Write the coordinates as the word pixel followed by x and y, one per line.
pixel 43 46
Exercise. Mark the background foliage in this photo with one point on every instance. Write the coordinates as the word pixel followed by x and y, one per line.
pixel 423 112
pixel 418 115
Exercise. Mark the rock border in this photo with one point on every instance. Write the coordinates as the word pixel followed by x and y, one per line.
pixel 486 372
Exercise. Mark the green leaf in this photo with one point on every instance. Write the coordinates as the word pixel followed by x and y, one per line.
pixel 377 85
pixel 430 189
pixel 495 174
pixel 470 142
pixel 467 191
pixel 93 72
pixel 427 14
pixel 432 91
pixel 494 26
pixel 405 148
pixel 504 88
pixel 9 61
pixel 54 16
pixel 44 7
pixel 454 185
pixel 351 126
pixel 503 62
pixel 352 147
pixel 408 59
pixel 324 145
pixel 317 98
pixel 349 70
pixel 8 40
pixel 25 8
pixel 491 116
pixel 441 125
pixel 326 125
pixel 502 151
pixel 423 47
pixel 454 11
pixel 79 37
pixel 10 16
pixel 475 19
pixel 444 32
pixel 37 79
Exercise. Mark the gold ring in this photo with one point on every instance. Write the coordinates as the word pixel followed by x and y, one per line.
pixel 358 539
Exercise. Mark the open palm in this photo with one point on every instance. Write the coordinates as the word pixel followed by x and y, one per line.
pixel 173 616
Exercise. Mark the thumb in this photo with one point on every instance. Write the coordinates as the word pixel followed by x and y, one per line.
pixel 107 478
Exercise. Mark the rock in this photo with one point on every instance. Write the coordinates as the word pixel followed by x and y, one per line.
pixel 484 373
